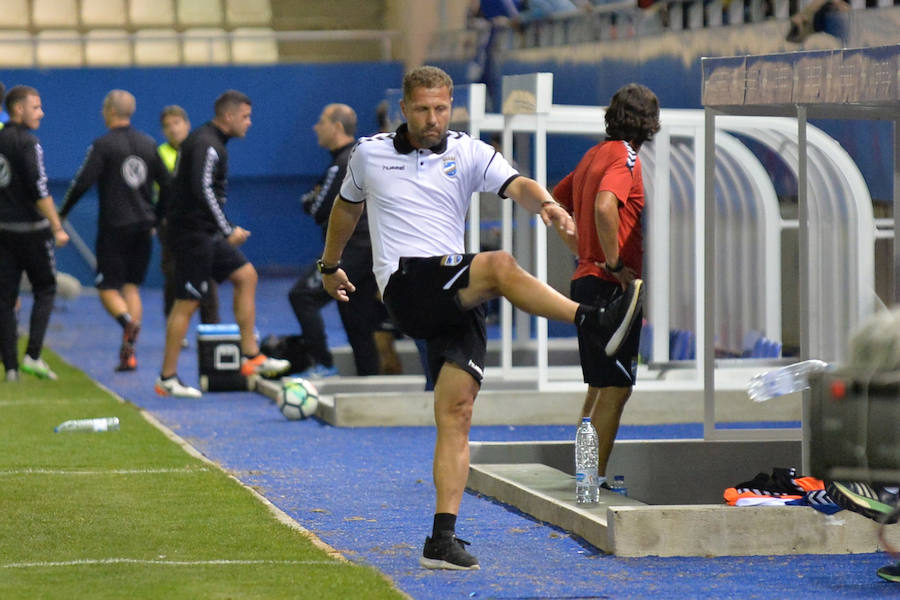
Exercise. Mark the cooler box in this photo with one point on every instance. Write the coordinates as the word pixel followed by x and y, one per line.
pixel 854 426
pixel 219 358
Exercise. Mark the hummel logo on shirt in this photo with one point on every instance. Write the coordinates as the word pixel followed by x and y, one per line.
pixel 393 167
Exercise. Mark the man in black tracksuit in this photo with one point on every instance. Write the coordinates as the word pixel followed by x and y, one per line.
pixel 335 131
pixel 124 163
pixel 205 244
pixel 29 228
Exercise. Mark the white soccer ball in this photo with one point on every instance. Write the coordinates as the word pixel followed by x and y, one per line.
pixel 298 399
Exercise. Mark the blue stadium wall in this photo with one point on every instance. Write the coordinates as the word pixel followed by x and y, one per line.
pixel 269 169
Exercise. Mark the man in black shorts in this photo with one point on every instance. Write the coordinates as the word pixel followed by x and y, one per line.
pixel 124 164
pixel 416 184
pixel 29 228
pixel 605 192
pixel 205 244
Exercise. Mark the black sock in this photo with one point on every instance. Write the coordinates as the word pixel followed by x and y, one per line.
pixel 124 319
pixel 248 357
pixel 444 525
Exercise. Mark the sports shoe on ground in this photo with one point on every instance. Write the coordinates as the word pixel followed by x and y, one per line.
pixel 12 376
pixel 890 573
pixel 38 368
pixel 264 365
pixel 127 358
pixel 173 386
pixel 447 552
pixel 613 321
pixel 319 371
pixel 860 497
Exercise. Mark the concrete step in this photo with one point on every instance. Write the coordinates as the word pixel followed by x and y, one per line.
pixel 626 527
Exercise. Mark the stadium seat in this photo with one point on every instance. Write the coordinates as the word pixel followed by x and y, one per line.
pixel 15 14
pixel 151 13
pixel 103 13
pixel 241 13
pixel 199 12
pixel 157 47
pixel 54 13
pixel 59 48
pixel 16 49
pixel 205 46
pixel 254 45
pixel 107 47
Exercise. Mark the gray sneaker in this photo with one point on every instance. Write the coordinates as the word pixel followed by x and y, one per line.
pixel 12 376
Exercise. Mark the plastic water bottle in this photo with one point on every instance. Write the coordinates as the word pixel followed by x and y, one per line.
pixel 92 425
pixel 786 380
pixel 618 485
pixel 587 490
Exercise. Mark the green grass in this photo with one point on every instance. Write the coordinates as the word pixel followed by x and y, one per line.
pixel 146 534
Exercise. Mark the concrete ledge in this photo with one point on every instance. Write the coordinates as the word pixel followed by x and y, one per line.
pixel 627 527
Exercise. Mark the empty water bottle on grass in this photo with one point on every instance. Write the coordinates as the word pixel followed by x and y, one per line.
pixel 786 380
pixel 91 425
pixel 587 489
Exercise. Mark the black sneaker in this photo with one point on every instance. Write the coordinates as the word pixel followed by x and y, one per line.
pixel 447 553
pixel 890 573
pixel 613 321
pixel 862 498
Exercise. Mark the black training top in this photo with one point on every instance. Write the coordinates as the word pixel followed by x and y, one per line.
pixel 23 180
pixel 319 200
pixel 124 163
pixel 201 178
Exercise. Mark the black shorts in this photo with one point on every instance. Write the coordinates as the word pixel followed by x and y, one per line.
pixel 598 369
pixel 421 298
pixel 123 255
pixel 199 257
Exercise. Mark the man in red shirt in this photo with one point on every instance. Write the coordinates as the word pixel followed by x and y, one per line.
pixel 605 193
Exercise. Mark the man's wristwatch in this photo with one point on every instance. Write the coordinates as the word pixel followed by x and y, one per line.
pixel 615 268
pixel 327 269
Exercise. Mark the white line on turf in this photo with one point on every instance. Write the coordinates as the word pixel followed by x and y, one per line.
pixel 166 563
pixel 101 471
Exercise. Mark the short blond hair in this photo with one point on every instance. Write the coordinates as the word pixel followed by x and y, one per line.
pixel 427 77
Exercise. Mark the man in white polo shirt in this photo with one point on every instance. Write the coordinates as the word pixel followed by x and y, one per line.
pixel 416 183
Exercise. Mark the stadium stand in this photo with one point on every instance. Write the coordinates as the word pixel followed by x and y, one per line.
pixel 192 13
pixel 248 12
pixel 53 13
pixel 16 49
pixel 59 48
pixel 156 46
pixel 107 47
pixel 103 13
pixel 151 13
pixel 254 45
pixel 15 14
pixel 205 46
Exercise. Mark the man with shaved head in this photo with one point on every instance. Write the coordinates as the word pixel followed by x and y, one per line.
pixel 124 164
pixel 335 131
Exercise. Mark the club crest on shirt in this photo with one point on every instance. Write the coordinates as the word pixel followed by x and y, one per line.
pixel 5 172
pixel 451 260
pixel 134 171
pixel 448 164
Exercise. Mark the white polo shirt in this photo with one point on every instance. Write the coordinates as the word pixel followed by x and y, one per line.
pixel 417 199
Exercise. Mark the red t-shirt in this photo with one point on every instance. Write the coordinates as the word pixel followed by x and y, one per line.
pixel 609 166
